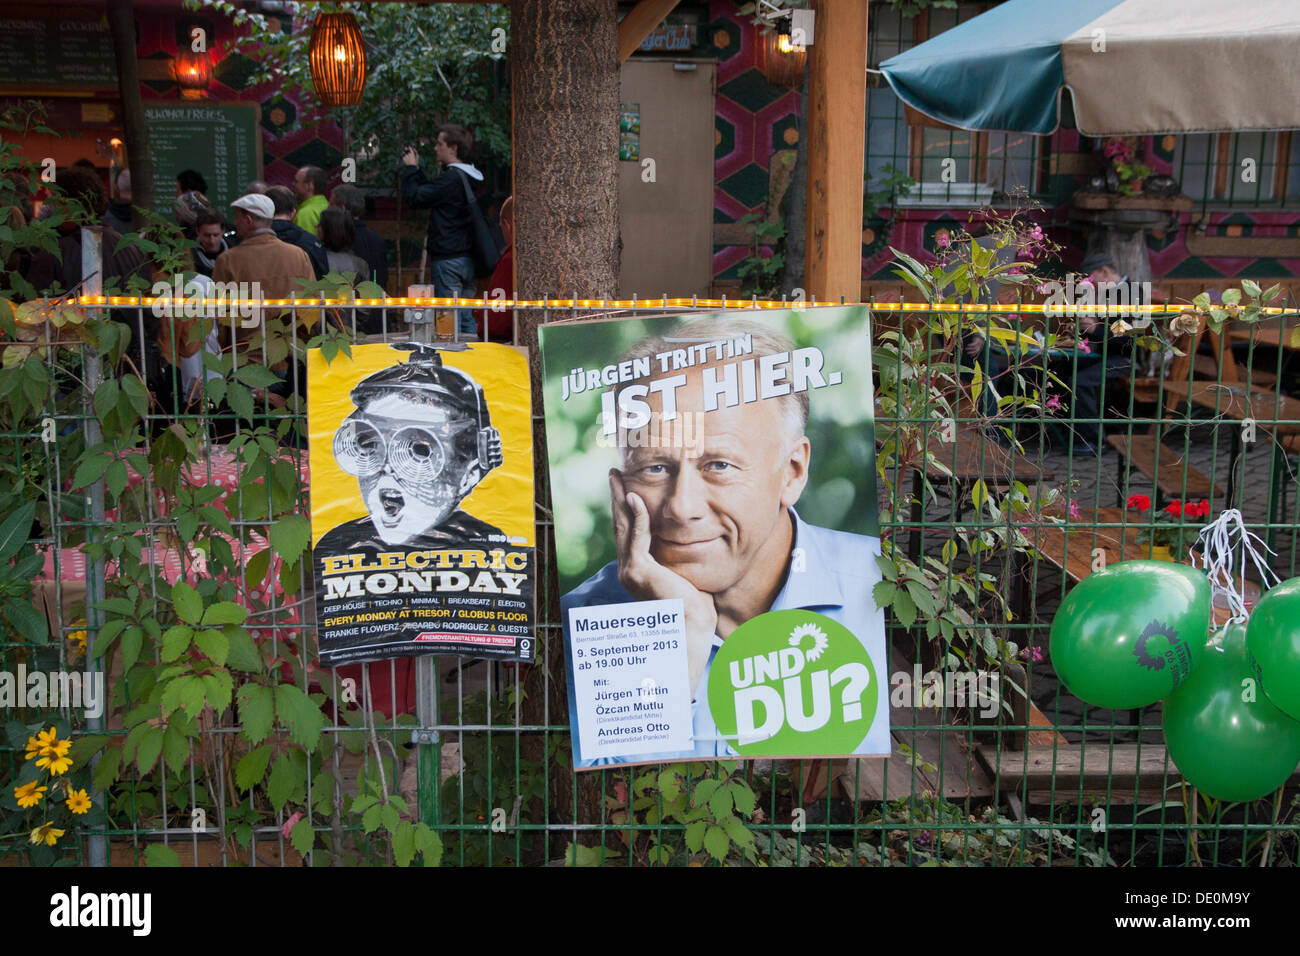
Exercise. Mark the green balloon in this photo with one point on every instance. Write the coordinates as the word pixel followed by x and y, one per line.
pixel 1226 739
pixel 1273 643
pixel 1127 636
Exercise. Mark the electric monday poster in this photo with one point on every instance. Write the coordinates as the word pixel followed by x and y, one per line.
pixel 716 532
pixel 422 502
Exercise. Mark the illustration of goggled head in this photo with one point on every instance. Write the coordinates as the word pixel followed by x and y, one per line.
pixel 419 441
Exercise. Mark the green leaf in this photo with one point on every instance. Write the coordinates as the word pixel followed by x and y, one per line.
pixel 83 748
pixel 256 711
pixel 695 835
pixel 115 477
pixel 883 593
pixel 240 400
pixel 669 786
pixel 251 767
pixel 176 747
pixel 176 640
pixel 289 537
pixel 242 652
pixel 108 768
pixel 404 843
pixel 189 606
pixel 743 797
pixel 15 530
pixel 214 645
pixel 156 854
pixel 703 791
pixel 105 399
pixel 904 609
pixel 146 754
pixel 280 786
pixel 716 842
pixel 218 686
pixel 887 567
pixel 132 641
pixel 720 803
pixel 1231 296
pixel 429 844
pixel 224 612
pixel 90 470
pixel 191 694
pixel 370 819
pixel 29 621
pixel 256 376
pixel 300 715
pixel 302 837
pixel 1251 288
pixel 737 831
pixel 256 568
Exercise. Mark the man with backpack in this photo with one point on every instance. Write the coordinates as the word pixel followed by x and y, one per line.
pixel 448 198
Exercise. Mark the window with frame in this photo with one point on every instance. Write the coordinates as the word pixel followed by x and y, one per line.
pixel 950 166
pixel 1238 169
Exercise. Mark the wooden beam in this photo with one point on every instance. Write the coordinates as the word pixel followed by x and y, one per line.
pixel 639 23
pixel 837 110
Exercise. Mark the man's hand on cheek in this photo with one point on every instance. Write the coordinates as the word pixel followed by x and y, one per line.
pixel 648 580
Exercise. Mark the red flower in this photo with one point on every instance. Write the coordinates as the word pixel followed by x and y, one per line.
pixel 1174 508
pixel 1197 510
pixel 1138 502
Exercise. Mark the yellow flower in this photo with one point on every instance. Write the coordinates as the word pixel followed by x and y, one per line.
pixel 78 638
pixel 78 801
pixel 47 744
pixel 46 833
pixel 29 794
pixel 56 763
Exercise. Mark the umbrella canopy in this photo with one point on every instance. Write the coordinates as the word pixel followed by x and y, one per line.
pixel 1132 67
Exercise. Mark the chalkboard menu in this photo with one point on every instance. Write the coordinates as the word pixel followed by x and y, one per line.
pixel 56 51
pixel 220 140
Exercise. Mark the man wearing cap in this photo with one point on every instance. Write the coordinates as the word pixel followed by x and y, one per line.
pixel 269 266
pixel 1099 354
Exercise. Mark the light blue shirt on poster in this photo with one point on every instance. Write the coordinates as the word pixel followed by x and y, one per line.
pixel 839 572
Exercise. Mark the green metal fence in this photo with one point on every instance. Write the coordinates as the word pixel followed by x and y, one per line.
pixel 482 755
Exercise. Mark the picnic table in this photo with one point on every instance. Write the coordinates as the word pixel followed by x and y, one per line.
pixel 1270 410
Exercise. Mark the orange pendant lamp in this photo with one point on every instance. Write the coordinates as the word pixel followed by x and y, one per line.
pixel 338 59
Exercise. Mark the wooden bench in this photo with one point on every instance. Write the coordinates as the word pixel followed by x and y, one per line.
pixel 1162 465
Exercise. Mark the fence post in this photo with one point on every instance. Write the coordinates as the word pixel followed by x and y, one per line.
pixel 93 284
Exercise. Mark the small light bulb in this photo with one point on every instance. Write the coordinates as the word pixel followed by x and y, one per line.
pixel 340 53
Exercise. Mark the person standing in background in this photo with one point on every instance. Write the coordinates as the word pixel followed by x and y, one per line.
pixel 450 238
pixel 208 227
pixel 191 181
pixel 366 243
pixel 286 231
pixel 119 210
pixel 309 186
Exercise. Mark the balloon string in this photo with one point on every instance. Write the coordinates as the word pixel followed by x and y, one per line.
pixel 1217 542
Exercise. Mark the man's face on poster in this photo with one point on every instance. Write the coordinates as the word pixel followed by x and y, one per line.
pixel 716 506
pixel 415 478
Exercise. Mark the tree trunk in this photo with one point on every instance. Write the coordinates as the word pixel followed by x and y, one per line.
pixel 121 25
pixel 565 83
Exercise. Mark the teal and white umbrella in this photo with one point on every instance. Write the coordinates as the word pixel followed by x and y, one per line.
pixel 1132 67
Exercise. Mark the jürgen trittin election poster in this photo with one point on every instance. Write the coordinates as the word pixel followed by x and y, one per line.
pixel 422 502
pixel 716 532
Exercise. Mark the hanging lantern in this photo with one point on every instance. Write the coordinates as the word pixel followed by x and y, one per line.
pixel 192 72
pixel 338 59
pixel 780 60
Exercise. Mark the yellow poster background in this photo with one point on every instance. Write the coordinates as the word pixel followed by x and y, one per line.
pixel 504 498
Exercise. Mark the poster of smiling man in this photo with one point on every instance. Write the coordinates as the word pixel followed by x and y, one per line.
pixel 422 502
pixel 716 534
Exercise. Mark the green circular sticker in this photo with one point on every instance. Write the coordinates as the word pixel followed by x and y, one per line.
pixel 793 683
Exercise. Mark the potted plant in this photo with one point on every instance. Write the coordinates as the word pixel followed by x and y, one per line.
pixel 1169 534
pixel 1129 173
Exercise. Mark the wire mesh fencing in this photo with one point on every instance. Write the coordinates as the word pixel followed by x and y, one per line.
pixel 994 760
